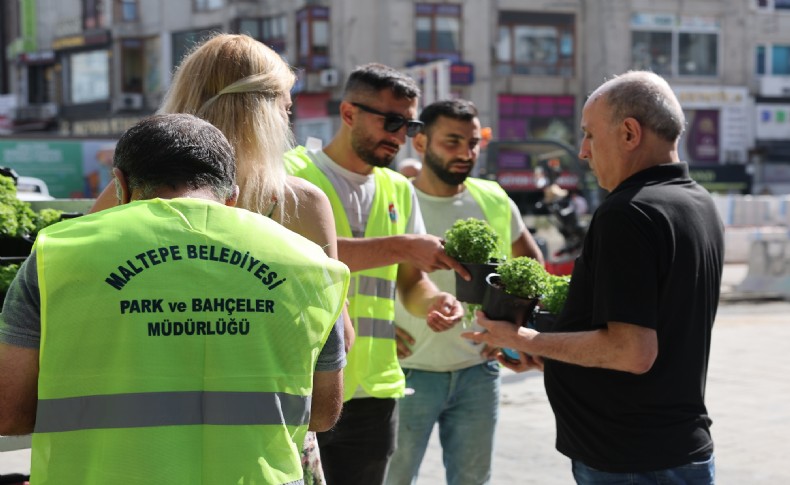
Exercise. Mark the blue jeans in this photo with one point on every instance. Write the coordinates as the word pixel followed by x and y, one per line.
pixel 695 473
pixel 465 403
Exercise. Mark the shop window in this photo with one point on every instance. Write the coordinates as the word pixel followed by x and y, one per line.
pixel 697 54
pixel 269 30
pixel 759 59
pixel 652 51
pixel 770 5
pixel 312 25
pixel 39 79
pixel 438 31
pixel 675 46
pixel 89 77
pixel 184 41
pixel 126 11
pixel 526 117
pixel 92 14
pixel 132 65
pixel 535 43
pixel 773 60
pixel 202 5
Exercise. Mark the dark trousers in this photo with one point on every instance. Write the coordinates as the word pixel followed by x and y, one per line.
pixel 358 449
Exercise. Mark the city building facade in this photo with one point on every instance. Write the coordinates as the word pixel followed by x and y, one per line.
pixel 91 68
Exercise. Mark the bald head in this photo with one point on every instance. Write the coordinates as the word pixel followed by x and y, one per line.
pixel 647 98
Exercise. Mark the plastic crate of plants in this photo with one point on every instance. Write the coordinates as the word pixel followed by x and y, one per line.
pixel 19 225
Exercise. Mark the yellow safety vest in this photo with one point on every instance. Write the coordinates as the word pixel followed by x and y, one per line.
pixel 495 203
pixel 178 345
pixel 373 359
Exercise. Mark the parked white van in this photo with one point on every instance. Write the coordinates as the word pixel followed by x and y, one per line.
pixel 32 188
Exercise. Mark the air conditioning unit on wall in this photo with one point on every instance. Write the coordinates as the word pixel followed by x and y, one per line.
pixel 130 101
pixel 328 78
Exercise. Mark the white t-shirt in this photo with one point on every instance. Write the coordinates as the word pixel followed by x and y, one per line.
pixel 356 195
pixel 446 351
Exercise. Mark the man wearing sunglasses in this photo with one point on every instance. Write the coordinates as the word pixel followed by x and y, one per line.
pixel 381 237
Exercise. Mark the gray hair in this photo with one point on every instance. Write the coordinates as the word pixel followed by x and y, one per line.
pixel 646 97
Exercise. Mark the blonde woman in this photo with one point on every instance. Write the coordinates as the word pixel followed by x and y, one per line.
pixel 243 88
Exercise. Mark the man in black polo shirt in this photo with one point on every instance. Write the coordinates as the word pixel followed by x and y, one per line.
pixel 626 363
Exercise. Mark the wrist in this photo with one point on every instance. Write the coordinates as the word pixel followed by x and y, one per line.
pixel 400 248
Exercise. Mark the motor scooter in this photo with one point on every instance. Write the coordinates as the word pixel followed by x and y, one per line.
pixel 562 212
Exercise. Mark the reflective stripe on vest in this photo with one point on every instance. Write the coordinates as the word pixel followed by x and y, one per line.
pixel 371 327
pixel 138 410
pixel 372 286
pixel 372 361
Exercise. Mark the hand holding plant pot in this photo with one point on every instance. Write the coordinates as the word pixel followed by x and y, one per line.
pixel 500 335
pixel 514 291
pixel 513 294
pixel 476 245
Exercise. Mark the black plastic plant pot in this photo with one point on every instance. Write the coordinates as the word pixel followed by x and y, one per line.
pixel 500 305
pixel 474 290
pixel 16 246
pixel 70 215
pixel 542 321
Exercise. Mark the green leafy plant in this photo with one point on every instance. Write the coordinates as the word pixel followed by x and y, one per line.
pixel 556 293
pixel 9 226
pixel 47 217
pixel 7 186
pixel 7 273
pixel 523 277
pixel 17 218
pixel 472 241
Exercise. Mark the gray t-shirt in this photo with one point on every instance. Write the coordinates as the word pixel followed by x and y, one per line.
pixel 20 320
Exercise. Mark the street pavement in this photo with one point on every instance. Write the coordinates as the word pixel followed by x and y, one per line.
pixel 748 399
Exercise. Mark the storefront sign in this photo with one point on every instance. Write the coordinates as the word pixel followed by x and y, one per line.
pixel 772 121
pixel 521 180
pixel 71 168
pixel 59 164
pixel 105 126
pixel 526 117
pixel 701 142
pixel 38 57
pixel 719 123
pixel 727 179
pixel 75 41
pixel 462 73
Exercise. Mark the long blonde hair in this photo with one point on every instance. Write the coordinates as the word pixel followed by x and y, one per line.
pixel 236 83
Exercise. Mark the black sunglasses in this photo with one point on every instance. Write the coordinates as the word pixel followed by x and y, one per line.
pixel 394 122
